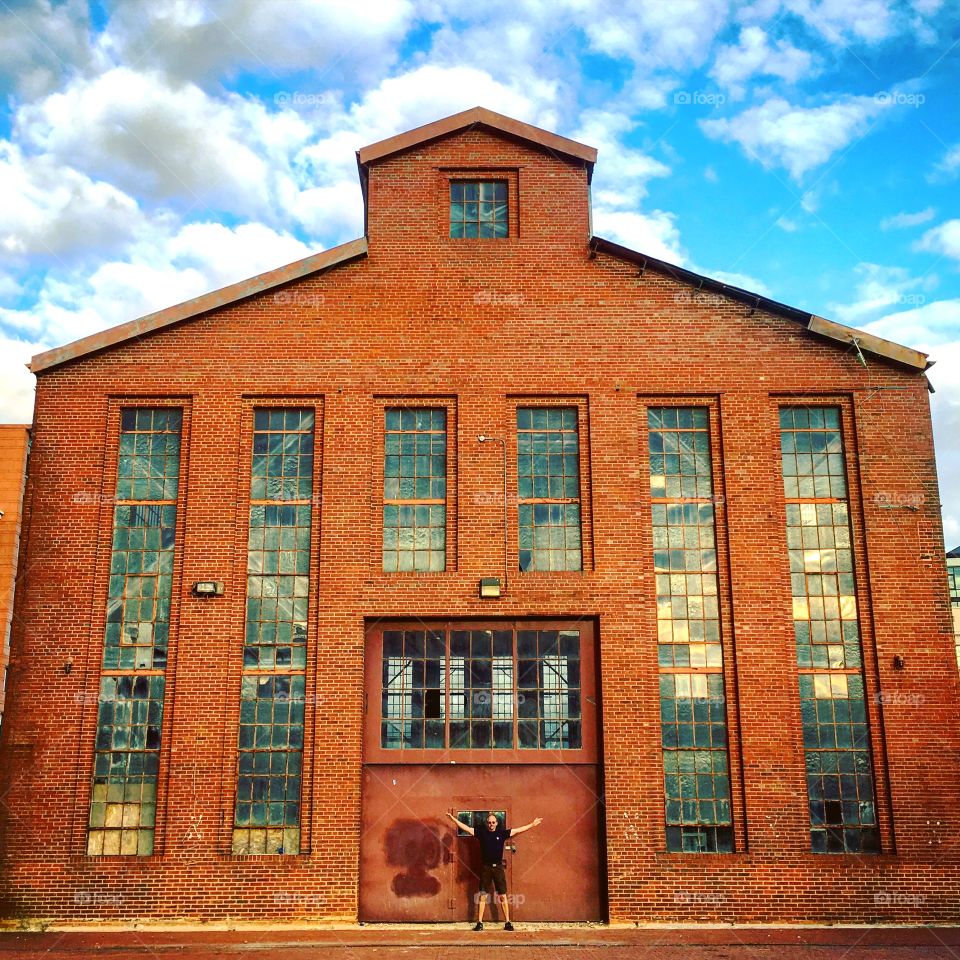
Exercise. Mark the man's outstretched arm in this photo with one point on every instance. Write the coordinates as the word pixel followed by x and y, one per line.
pixel 527 826
pixel 460 823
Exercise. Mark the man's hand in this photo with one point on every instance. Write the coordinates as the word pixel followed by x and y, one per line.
pixel 460 823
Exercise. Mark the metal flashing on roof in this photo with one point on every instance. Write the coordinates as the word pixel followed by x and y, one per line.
pixel 866 342
pixel 198 305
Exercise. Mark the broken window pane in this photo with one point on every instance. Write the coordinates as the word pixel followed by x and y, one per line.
pixel 414 689
pixel 270 741
pixel 692 703
pixel 130 709
pixel 832 704
pixel 482 706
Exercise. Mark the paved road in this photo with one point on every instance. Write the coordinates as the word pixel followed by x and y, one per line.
pixel 602 943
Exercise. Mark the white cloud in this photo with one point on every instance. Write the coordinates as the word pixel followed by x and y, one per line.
pixel 51 210
pixel 843 21
pixel 754 56
pixel 9 287
pixel 948 167
pixel 797 138
pixel 928 327
pixel 621 178
pixel 17 384
pixel 195 40
pixel 878 289
pixel 41 42
pixel 163 142
pixel 655 36
pixel 654 233
pixel 943 239
pixel 903 220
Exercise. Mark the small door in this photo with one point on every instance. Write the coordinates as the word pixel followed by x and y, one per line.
pixel 467 854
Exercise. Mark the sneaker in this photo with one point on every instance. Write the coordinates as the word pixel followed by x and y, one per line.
pixel 478 926
pixel 508 926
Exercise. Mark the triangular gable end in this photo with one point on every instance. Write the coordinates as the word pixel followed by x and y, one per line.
pixel 551 143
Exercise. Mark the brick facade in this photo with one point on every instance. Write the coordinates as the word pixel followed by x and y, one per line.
pixel 480 324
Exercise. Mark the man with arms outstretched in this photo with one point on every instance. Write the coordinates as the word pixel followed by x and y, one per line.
pixel 492 840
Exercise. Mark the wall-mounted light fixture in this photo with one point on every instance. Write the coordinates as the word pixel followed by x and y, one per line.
pixel 208 588
pixel 489 588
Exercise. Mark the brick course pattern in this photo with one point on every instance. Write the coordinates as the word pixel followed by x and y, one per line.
pixel 481 324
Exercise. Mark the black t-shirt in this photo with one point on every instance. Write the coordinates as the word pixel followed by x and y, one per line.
pixel 492 843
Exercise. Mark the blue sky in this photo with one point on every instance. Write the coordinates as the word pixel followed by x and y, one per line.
pixel 805 149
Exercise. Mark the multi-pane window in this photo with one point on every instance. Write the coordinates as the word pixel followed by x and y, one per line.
pixel 953 579
pixel 548 488
pixel 481 689
pixel 692 700
pixel 130 709
pixel 829 655
pixel 548 689
pixel 478 208
pixel 414 703
pixel 497 689
pixel 269 765
pixel 415 489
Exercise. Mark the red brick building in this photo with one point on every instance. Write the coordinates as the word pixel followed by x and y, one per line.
pixel 481 512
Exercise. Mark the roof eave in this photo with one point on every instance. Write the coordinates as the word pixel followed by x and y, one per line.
pixel 867 342
pixel 198 305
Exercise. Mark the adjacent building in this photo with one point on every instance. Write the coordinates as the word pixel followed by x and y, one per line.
pixel 14 447
pixel 953 577
pixel 481 512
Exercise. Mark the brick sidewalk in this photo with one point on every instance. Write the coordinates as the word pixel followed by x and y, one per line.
pixel 369 943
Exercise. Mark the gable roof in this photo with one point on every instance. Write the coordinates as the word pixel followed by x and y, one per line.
pixel 515 129
pixel 354 249
pixel 954 553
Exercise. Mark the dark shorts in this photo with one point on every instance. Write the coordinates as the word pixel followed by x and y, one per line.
pixel 493 873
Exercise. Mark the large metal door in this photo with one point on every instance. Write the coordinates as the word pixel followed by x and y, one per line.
pixel 413 865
